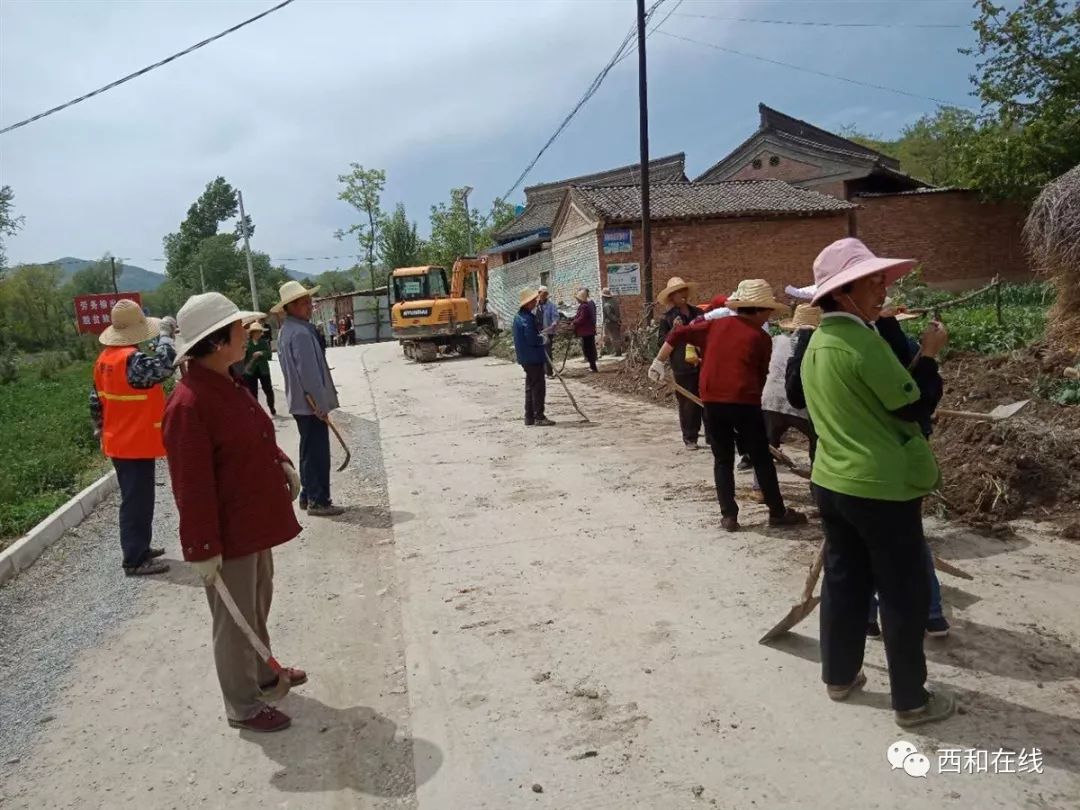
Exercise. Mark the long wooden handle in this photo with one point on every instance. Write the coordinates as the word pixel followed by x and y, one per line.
pixel 245 628
pixel 680 390
pixel 963 414
pixel 815 572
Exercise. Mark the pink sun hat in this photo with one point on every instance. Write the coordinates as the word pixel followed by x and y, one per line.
pixel 847 260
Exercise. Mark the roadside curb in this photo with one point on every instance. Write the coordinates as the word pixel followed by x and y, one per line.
pixel 21 554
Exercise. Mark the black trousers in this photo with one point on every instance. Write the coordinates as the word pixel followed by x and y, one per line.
pixel 535 392
pixel 726 422
pixel 136 479
pixel 871 543
pixel 588 348
pixel 253 383
pixel 777 424
pixel 690 414
pixel 314 460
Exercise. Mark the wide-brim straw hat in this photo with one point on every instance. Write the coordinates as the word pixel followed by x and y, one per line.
pixel 128 325
pixel 606 293
pixel 673 286
pixel 292 291
pixel 755 293
pixel 582 294
pixel 528 295
pixel 205 313
pixel 256 326
pixel 847 260
pixel 806 317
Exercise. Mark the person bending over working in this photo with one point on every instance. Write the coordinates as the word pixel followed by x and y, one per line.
pixel 736 363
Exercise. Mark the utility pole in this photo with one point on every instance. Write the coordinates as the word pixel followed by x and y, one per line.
pixel 643 115
pixel 247 253
pixel 115 289
pixel 202 278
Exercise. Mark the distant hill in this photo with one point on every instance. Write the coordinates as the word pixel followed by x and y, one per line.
pixel 133 278
pixel 139 279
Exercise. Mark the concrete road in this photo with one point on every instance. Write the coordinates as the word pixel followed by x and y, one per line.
pixel 523 617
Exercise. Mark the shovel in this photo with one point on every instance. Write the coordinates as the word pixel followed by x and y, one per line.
pixel 996 415
pixel 806 604
pixel 333 427
pixel 281 688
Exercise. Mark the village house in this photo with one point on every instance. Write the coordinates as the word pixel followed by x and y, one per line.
pixel 764 211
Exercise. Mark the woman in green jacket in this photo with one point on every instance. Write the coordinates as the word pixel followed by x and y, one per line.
pixel 257 364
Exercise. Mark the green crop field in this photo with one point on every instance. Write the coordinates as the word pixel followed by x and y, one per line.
pixel 47 449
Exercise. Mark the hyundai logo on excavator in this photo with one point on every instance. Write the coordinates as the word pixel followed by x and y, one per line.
pixel 420 312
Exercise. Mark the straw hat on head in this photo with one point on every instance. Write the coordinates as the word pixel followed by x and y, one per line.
pixel 128 325
pixel 673 286
pixel 528 295
pixel 582 294
pixel 847 260
pixel 755 293
pixel 256 326
pixel 606 292
pixel 206 313
pixel 292 291
pixel 806 317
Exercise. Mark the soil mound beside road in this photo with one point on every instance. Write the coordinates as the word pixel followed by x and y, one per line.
pixel 1023 467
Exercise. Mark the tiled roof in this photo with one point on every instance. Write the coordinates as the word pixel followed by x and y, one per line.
pixel 543 200
pixel 778 122
pixel 686 200
pixel 918 191
pixel 523 242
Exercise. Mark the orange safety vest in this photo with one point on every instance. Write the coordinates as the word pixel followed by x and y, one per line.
pixel 132 427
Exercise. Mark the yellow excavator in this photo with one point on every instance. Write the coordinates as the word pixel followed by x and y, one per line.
pixel 429 316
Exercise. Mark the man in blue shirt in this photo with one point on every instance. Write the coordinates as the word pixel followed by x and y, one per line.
pixel 531 356
pixel 303 365
pixel 547 315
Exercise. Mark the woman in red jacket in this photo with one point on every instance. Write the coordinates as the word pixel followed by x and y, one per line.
pixel 585 326
pixel 234 488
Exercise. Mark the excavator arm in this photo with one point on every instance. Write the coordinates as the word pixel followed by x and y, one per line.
pixel 464 267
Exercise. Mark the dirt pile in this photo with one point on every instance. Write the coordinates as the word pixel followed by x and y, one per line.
pixel 1025 466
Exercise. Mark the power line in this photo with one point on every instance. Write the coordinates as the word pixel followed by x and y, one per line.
pixel 822 24
pixel 815 72
pixel 146 69
pixel 589 93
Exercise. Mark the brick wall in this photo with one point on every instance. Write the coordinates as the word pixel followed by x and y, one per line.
pixel 576 266
pixel 718 253
pixel 959 241
pixel 506 282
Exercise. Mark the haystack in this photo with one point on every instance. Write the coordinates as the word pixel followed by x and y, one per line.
pixel 1052 238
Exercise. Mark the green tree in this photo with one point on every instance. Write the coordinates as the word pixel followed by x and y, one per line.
pixel 931 148
pixel 399 246
pixel 97 278
pixel 450 224
pixel 9 223
pixel 333 282
pixel 217 204
pixel 1028 79
pixel 362 190
pixel 34 313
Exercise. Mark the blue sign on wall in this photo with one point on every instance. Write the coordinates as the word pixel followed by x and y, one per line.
pixel 617 240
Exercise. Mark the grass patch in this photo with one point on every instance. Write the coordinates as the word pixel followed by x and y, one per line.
pixel 48 449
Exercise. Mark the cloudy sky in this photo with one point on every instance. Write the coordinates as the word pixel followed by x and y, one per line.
pixel 439 94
